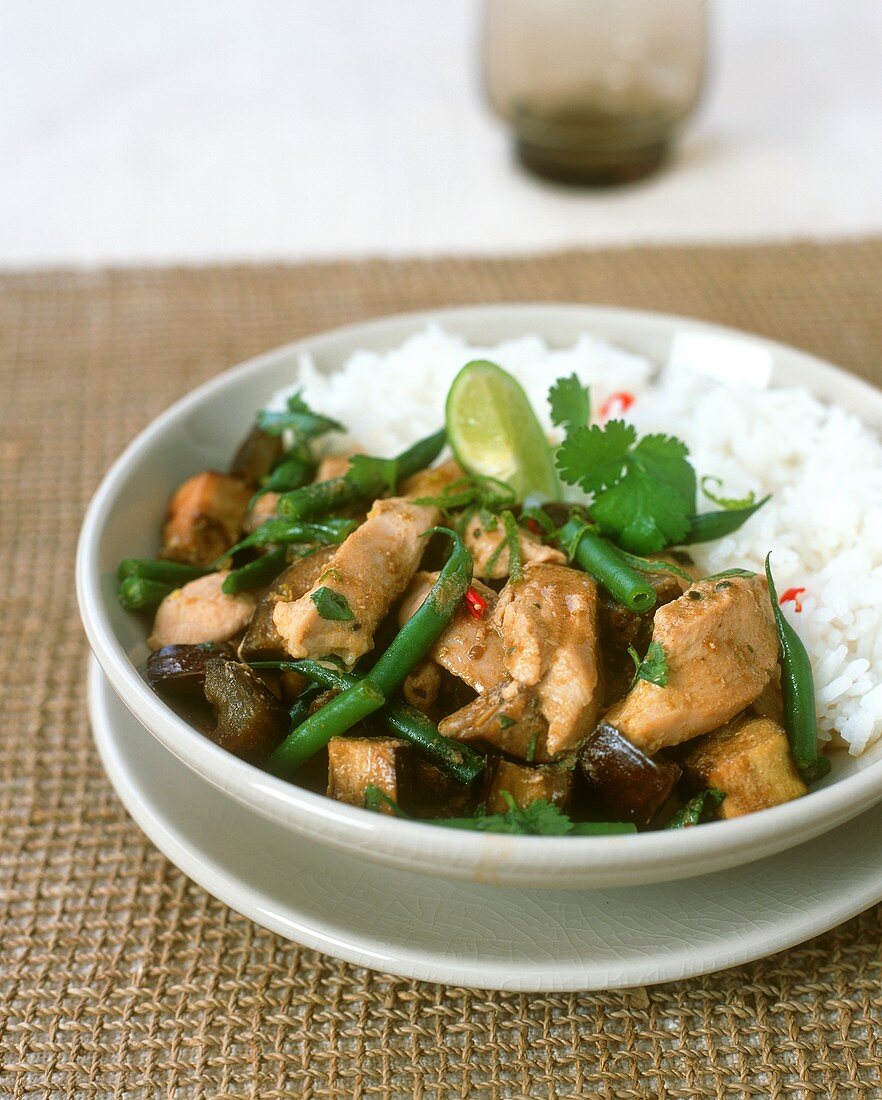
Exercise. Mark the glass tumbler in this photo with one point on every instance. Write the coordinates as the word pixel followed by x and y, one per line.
pixel 594 90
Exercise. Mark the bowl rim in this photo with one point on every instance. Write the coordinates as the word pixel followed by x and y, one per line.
pixel 829 805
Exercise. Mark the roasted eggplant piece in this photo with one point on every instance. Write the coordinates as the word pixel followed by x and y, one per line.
pixel 356 763
pixel 550 783
pixel 256 456
pixel 251 721
pixel 750 761
pixel 180 669
pixel 628 782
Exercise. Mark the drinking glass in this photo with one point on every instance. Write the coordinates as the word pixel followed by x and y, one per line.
pixel 594 90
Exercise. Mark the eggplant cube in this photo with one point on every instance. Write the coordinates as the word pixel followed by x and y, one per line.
pixel 748 759
pixel 526 785
pixel 356 763
pixel 627 781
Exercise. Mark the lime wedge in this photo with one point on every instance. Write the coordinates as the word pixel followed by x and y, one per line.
pixel 494 432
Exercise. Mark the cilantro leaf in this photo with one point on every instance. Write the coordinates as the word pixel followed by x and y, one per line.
pixel 570 403
pixel 595 458
pixel 300 419
pixel 540 818
pixel 332 605
pixel 654 666
pixel 372 476
pixel 644 490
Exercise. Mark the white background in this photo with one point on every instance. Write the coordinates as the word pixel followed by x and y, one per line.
pixel 202 130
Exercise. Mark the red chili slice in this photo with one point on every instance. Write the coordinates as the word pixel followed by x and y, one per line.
pixel 792 594
pixel 475 602
pixel 616 403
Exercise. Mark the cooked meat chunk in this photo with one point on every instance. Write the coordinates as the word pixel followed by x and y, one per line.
pixel 250 719
pixel 748 759
pixel 370 569
pixel 484 544
pixel 470 649
pixel 205 518
pixel 507 716
pixel 262 641
pixel 333 466
pixel 770 703
pixel 548 622
pixel 264 508
pixel 550 783
pixel 624 779
pixel 201 612
pixel 721 649
pixel 355 763
pixel 422 685
pixel 432 481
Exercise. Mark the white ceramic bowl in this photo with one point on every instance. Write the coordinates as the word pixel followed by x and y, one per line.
pixel 201 431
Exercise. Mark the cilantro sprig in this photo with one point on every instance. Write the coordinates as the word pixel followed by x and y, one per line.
pixel 570 403
pixel 643 489
pixel 299 419
pixel 540 818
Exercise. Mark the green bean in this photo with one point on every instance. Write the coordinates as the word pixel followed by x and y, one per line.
pixel 602 560
pixel 334 718
pixel 256 573
pixel 153 569
pixel 141 594
pixel 458 760
pixel 410 645
pixel 327 532
pixel 344 492
pixel 798 693
pixel 715 525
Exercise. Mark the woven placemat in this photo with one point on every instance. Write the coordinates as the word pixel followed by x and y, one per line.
pixel 122 978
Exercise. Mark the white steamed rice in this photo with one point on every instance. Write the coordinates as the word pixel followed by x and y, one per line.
pixel 822 465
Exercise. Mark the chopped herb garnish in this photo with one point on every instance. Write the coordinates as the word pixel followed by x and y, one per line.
pixel 570 403
pixel 731 573
pixel 728 504
pixel 693 595
pixel 375 798
pixel 299 419
pixel 531 748
pixel 650 565
pixel 332 605
pixel 487 494
pixel 704 804
pixel 513 540
pixel 654 666
pixel 505 722
pixel 644 490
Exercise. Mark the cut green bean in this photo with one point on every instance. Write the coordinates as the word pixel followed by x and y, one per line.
pixel 141 594
pixel 457 759
pixel 716 525
pixel 334 718
pixel 599 557
pixel 155 569
pixel 410 645
pixel 798 694
pixel 255 574
pixel 344 492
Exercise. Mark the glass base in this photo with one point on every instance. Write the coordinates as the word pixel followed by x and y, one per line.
pixel 593 167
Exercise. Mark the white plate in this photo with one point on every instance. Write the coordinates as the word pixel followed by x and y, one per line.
pixel 196 433
pixel 481 936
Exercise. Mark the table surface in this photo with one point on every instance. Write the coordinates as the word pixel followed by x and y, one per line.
pixel 223 129
pixel 120 977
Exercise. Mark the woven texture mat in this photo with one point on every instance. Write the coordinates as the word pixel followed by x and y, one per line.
pixel 122 978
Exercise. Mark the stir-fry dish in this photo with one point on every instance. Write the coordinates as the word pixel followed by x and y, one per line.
pixel 513 639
